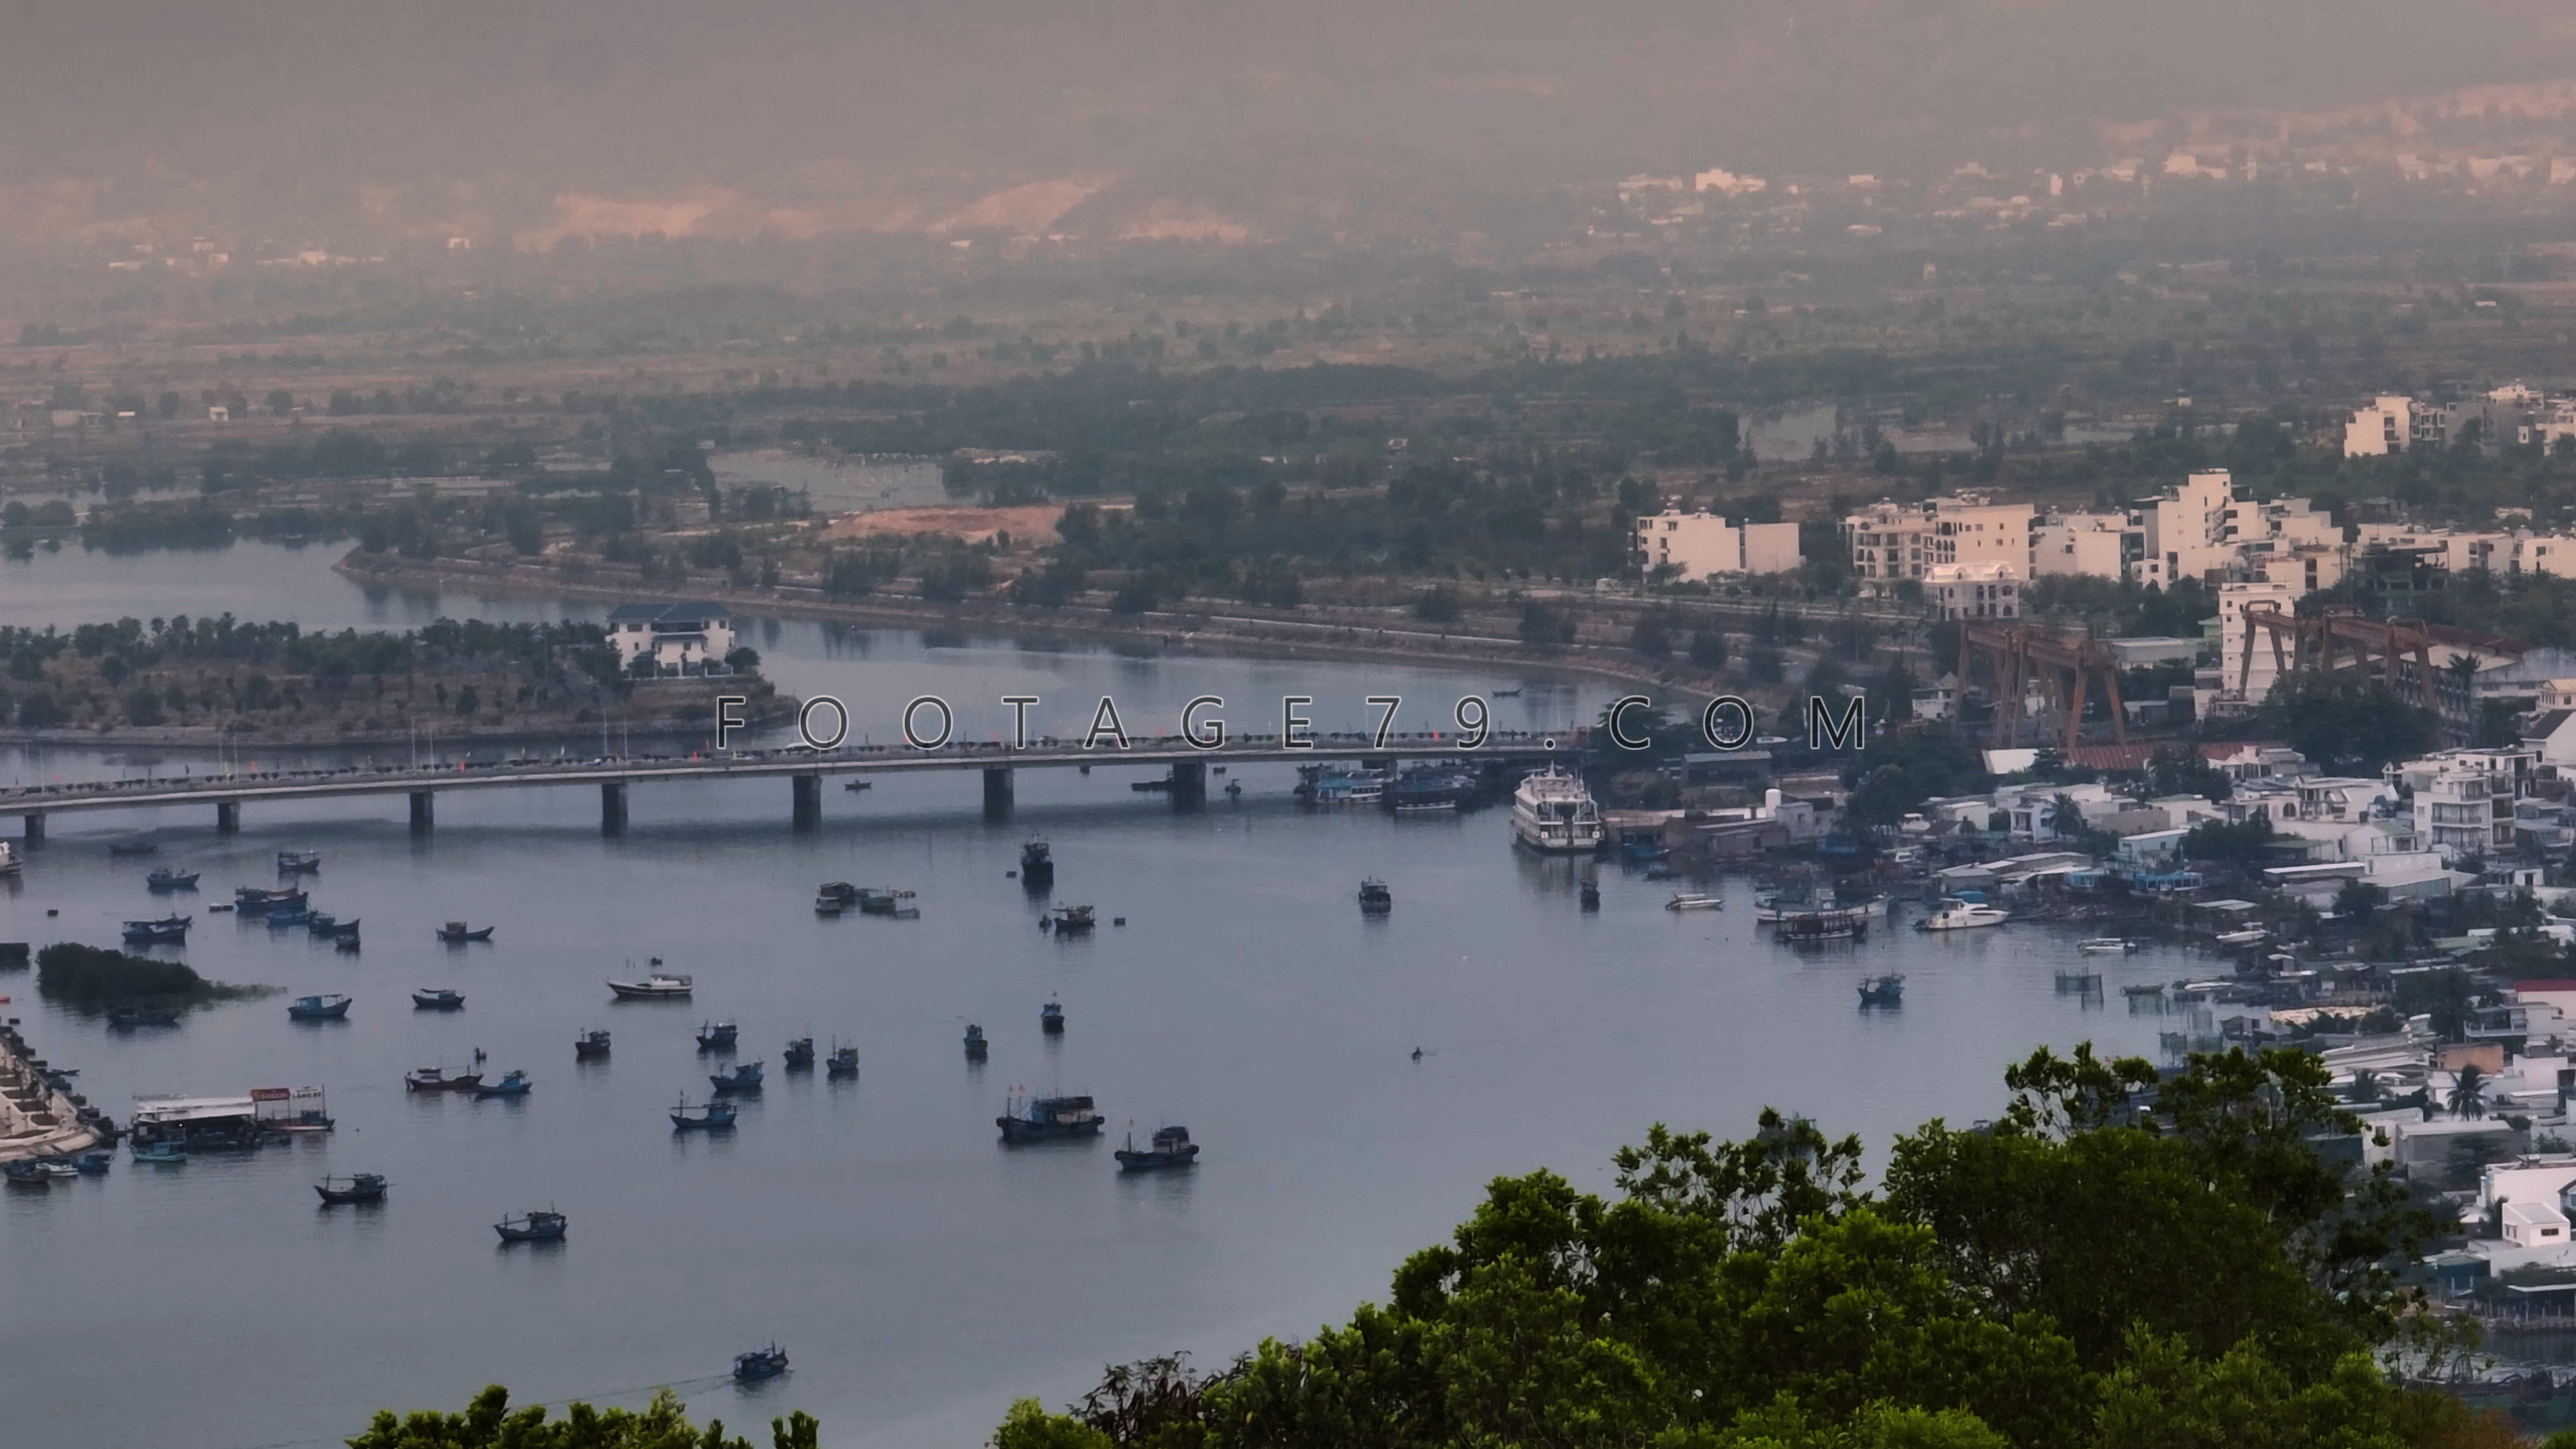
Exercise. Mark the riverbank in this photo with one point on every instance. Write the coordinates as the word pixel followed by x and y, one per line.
pixel 1312 632
pixel 673 720
pixel 37 1119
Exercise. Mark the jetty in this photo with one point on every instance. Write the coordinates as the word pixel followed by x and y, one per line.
pixel 38 1117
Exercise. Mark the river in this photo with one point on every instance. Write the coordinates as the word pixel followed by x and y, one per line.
pixel 920 1274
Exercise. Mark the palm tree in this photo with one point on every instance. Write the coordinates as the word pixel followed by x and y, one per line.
pixel 2469 1092
pixel 2463 669
pixel 2365 1086
pixel 2062 816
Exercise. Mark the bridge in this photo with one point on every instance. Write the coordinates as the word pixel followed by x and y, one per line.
pixel 803 769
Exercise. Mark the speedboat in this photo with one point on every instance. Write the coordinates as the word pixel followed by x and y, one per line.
pixel 541 1226
pixel 2106 946
pixel 1172 1148
pixel 656 987
pixel 1688 902
pixel 1959 915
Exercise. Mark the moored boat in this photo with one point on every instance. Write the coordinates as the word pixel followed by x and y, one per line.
pixel 1590 894
pixel 437 998
pixel 656 987
pixel 2252 936
pixel 166 929
pixel 134 847
pixel 436 1079
pixel 126 1018
pixel 715 1116
pixel 2106 946
pixel 364 1187
pixel 743 1078
pixel 25 1174
pixel 166 1154
pixel 760 1363
pixel 1552 811
pixel 299 861
pixel 95 1164
pixel 799 1056
pixel 1687 901
pixel 457 933
pixel 1955 914
pixel 975 1044
pixel 318 1008
pixel 1804 928
pixel 1375 898
pixel 1171 1147
pixel 1887 990
pixel 1047 1119
pixel 590 1044
pixel 166 879
pixel 1037 863
pixel 1051 1018
pixel 717 1036
pixel 1068 920
pixel 843 1062
pixel 535 1226
pixel 512 1084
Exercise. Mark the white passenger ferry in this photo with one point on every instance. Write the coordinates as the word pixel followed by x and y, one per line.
pixel 1552 811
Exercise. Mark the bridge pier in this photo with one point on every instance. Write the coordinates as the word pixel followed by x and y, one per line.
pixel 423 813
pixel 1189 784
pixel 999 793
pixel 612 807
pixel 228 817
pixel 806 791
pixel 35 828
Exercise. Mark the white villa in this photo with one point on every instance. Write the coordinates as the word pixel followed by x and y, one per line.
pixel 690 638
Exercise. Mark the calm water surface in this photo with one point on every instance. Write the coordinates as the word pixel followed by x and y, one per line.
pixel 920 1274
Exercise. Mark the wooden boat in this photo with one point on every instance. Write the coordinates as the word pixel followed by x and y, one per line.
pixel 1686 901
pixel 839 892
pixel 299 861
pixel 512 1084
pixel 715 1116
pixel 318 1008
pixel 1048 1119
pixel 1887 990
pixel 25 1174
pixel 1051 1019
pixel 134 847
pixel 281 917
pixel 126 1018
pixel 975 1043
pixel 2106 946
pixel 456 933
pixel 874 902
pixel 1171 1147
pixel 744 1078
pixel 166 879
pixel 843 1062
pixel 321 924
pixel 346 943
pixel 826 906
pixel 1068 920
pixel 2151 989
pixel 590 1045
pixel 760 1363
pixel 437 998
pixel 168 928
pixel 1375 898
pixel 799 1056
pixel 436 1079
pixel 95 1164
pixel 164 1154
pixel 250 901
pixel 1590 895
pixel 535 1226
pixel 656 987
pixel 1037 863
pixel 717 1036
pixel 854 786
pixel 364 1187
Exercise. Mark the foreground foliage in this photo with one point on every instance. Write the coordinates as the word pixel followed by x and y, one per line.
pixel 490 1423
pixel 2118 1263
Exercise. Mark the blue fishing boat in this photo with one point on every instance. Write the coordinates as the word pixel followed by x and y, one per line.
pixel 512 1084
pixel 799 1056
pixel 257 901
pixel 164 1154
pixel 166 879
pixel 25 1174
pixel 537 1226
pixel 299 861
pixel 1051 1019
pixel 744 1078
pixel 166 929
pixel 842 1063
pixel 715 1116
pixel 1048 1119
pixel 1888 990
pixel 318 1008
pixel 281 917
pixel 365 1187
pixel 760 1363
pixel 95 1164
pixel 717 1036
pixel 1172 1148
pixel 437 998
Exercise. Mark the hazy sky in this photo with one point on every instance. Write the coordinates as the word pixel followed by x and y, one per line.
pixel 284 99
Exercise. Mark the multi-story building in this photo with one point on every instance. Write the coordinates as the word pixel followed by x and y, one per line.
pixel 2463 810
pixel 1972 591
pixel 1697 545
pixel 1891 542
pixel 2244 681
pixel 2105 544
pixel 2384 428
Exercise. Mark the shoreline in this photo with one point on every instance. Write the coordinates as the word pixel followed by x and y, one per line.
pixel 211 737
pixel 1214 631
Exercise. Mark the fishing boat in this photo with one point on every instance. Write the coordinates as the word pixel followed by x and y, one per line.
pixel 826 906
pixel 799 1056
pixel 1051 1019
pixel 165 1154
pixel 299 861
pixel 166 929
pixel 1887 990
pixel 839 892
pixel 457 933
pixel 744 1078
pixel 590 1045
pixel 165 879
pixel 715 1116
pixel 535 1226
pixel 346 942
pixel 1375 898
pixel 364 1187
pixel 1685 901
pixel 1806 928
pixel 1552 811
pixel 134 847
pixel 843 1062
pixel 126 1018
pixel 855 786
pixel 656 987
pixel 1955 914
pixel 1068 920
pixel 1430 787
pixel 1171 1147
pixel 1037 863
pixel 95 1164
pixel 875 902
pixel 760 1363
pixel 1047 1119
pixel 2254 936
pixel 1590 894
pixel 318 1008
pixel 512 1084
pixel 436 1079
pixel 1328 785
pixel 281 917
pixel 25 1174
pixel 2153 988
pixel 975 1043
pixel 717 1036
pixel 250 901
pixel 2106 946
pixel 437 998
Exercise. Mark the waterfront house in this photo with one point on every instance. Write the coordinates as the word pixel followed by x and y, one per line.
pixel 669 640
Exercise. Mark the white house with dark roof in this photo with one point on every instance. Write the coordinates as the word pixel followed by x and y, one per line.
pixel 684 638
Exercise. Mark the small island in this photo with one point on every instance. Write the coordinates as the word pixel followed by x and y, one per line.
pixel 99 978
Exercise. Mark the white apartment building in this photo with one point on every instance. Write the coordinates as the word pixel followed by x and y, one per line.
pixel 2083 543
pixel 1890 542
pixel 2384 428
pixel 2461 810
pixel 2190 531
pixel 1973 590
pixel 2263 669
pixel 1699 545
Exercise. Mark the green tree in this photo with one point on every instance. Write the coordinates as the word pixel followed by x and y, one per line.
pixel 489 1423
pixel 2468 1096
